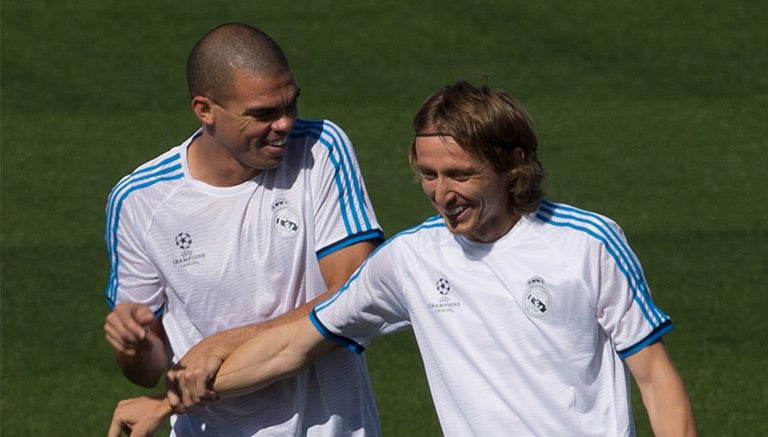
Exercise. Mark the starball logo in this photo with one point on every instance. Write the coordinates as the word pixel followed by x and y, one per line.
pixel 444 304
pixel 188 256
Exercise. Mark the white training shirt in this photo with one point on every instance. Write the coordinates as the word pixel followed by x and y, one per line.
pixel 520 337
pixel 209 258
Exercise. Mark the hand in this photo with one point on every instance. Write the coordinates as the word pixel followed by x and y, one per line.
pixel 190 382
pixel 139 417
pixel 127 328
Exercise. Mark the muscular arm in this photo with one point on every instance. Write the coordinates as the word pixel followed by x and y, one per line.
pixel 664 395
pixel 194 372
pixel 273 354
pixel 336 268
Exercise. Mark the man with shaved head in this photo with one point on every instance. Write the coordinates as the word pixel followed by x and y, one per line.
pixel 244 225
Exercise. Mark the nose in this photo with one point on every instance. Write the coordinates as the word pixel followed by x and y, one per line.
pixel 442 192
pixel 284 123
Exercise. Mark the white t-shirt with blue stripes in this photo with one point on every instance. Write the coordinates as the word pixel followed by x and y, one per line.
pixel 210 258
pixel 523 336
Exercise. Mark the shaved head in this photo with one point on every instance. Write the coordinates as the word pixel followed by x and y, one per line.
pixel 225 49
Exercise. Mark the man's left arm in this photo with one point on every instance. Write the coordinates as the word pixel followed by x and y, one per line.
pixel 664 395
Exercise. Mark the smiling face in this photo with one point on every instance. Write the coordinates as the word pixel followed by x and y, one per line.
pixel 247 132
pixel 469 193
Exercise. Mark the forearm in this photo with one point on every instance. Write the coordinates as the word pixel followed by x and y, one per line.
pixel 664 395
pixel 224 343
pixel 144 367
pixel 669 408
pixel 256 363
pixel 336 269
pixel 274 354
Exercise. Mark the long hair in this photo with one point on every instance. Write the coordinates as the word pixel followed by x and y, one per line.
pixel 488 124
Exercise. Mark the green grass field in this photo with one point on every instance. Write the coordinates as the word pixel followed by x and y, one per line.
pixel 653 113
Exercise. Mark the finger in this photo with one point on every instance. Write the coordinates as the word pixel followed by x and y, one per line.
pixel 189 396
pixel 172 375
pixel 172 393
pixel 121 344
pixel 195 389
pixel 116 428
pixel 174 401
pixel 142 314
pixel 121 324
pixel 128 327
pixel 212 366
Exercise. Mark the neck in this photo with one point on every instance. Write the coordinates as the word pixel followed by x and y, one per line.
pixel 210 162
pixel 495 231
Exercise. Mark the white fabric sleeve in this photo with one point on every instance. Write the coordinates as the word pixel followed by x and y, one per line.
pixel 343 211
pixel 626 310
pixel 369 305
pixel 133 277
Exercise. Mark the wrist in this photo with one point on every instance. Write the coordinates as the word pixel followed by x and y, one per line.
pixel 166 407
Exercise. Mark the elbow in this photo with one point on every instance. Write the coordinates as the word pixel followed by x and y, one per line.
pixel 138 372
pixel 142 379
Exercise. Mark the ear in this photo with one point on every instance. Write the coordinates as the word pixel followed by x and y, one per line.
pixel 519 154
pixel 203 109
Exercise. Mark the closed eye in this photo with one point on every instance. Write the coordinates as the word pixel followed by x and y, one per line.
pixel 427 174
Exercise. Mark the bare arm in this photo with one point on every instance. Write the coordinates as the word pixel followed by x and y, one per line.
pixel 139 417
pixel 273 354
pixel 190 380
pixel 664 395
pixel 137 340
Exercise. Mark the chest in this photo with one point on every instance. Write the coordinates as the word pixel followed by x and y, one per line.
pixel 526 292
pixel 202 240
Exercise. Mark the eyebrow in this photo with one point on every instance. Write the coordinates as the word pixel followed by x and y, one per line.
pixel 264 110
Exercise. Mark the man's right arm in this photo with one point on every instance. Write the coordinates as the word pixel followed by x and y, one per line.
pixel 273 354
pixel 138 343
pixel 191 383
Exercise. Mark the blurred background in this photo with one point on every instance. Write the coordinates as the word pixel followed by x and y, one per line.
pixel 653 113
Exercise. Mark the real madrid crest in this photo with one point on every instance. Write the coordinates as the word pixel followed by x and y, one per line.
pixel 285 220
pixel 537 301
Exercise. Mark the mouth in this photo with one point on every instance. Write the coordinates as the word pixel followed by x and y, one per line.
pixel 454 213
pixel 279 142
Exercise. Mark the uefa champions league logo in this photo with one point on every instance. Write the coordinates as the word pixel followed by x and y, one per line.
pixel 183 241
pixel 443 286
pixel 188 257
pixel 445 304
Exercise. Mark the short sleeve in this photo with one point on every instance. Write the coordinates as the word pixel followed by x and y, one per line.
pixel 368 305
pixel 132 276
pixel 343 211
pixel 626 310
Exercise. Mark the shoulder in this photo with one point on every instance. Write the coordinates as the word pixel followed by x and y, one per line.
pixel 579 231
pixel 401 251
pixel 324 133
pixel 318 130
pixel 149 177
pixel 575 221
pixel 428 233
